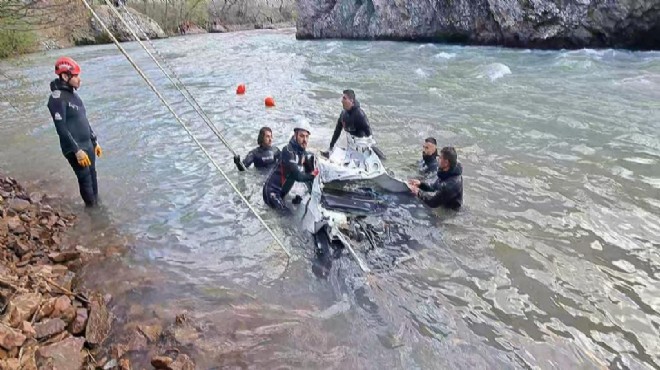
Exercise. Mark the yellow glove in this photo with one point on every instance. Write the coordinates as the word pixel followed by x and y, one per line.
pixel 83 158
pixel 98 150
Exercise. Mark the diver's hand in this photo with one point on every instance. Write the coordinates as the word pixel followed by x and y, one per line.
pixel 83 158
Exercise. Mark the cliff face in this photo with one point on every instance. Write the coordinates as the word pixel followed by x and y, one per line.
pixel 94 34
pixel 518 23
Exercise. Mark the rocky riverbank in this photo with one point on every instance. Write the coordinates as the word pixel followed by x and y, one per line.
pixel 528 24
pixel 48 320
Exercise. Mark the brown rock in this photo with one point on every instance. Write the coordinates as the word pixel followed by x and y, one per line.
pixel 10 338
pixel 22 307
pixel 36 197
pixel 46 309
pixel 21 247
pixel 57 338
pixel 27 329
pixel 118 350
pixel 15 225
pixel 4 229
pixel 49 327
pixel 136 341
pixel 62 304
pixel 99 322
pixel 10 364
pixel 161 362
pixel 182 362
pixel 65 355
pixel 151 332
pixel 77 326
pixel 63 256
pixel 124 364
pixel 3 354
pixel 185 335
pixel 18 205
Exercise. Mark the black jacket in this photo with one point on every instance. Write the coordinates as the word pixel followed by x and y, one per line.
pixel 70 118
pixel 446 191
pixel 429 163
pixel 262 157
pixel 295 164
pixel 354 122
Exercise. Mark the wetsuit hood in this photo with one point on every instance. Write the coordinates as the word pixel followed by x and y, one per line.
pixel 58 84
pixel 455 171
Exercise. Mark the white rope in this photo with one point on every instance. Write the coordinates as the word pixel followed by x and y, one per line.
pixel 169 107
pixel 191 100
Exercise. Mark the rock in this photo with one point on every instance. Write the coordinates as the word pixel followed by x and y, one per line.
pixel 61 305
pixel 95 34
pixel 36 197
pixel 77 326
pixel 19 205
pixel 110 364
pixel 185 335
pixel 3 354
pixel 46 309
pixel 161 362
pixel 98 324
pixel 15 225
pixel 22 307
pixel 530 24
pixel 182 362
pixel 10 338
pixel 21 247
pixel 4 229
pixel 28 330
pixel 151 332
pixel 118 350
pixel 136 341
pixel 65 355
pixel 124 364
pixel 28 360
pixel 63 256
pixel 10 364
pixel 49 327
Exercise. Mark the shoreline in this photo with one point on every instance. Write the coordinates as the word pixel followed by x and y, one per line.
pixel 48 316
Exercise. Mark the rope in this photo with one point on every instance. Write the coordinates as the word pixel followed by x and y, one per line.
pixel 169 107
pixel 191 100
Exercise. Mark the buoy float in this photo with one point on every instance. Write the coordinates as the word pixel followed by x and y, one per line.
pixel 269 101
pixel 240 89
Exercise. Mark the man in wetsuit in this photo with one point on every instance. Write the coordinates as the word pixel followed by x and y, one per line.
pixel 77 139
pixel 352 119
pixel 263 156
pixel 429 162
pixel 447 190
pixel 296 164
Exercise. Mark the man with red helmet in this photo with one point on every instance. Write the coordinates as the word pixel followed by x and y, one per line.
pixel 77 139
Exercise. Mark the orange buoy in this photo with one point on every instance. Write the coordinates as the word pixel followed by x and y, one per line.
pixel 240 89
pixel 270 102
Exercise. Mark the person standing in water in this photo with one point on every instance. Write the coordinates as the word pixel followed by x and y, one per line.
pixel 78 142
pixel 447 190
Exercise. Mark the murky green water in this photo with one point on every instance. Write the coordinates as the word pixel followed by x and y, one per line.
pixel 554 262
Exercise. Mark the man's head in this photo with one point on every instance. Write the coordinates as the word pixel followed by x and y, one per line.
pixel 301 132
pixel 68 71
pixel 430 146
pixel 265 138
pixel 448 158
pixel 348 99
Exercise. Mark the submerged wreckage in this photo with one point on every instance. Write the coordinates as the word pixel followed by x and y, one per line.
pixel 335 215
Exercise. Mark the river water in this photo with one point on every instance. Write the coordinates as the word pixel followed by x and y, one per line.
pixel 554 261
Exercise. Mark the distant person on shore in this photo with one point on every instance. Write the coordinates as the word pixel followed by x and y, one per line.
pixel 77 139
pixel 429 163
pixel 263 156
pixel 447 190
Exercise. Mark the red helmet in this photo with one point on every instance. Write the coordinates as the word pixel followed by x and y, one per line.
pixel 66 64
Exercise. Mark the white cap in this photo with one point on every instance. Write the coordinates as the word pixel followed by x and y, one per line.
pixel 302 123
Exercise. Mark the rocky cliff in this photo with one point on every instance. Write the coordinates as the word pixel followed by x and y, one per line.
pixel 631 24
pixel 94 33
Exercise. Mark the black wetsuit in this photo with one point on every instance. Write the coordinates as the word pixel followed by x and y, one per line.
pixel 295 164
pixel 446 191
pixel 262 157
pixel 70 118
pixel 354 122
pixel 429 163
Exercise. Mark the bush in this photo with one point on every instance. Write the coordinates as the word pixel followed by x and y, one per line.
pixel 13 42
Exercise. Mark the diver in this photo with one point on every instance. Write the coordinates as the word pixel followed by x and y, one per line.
pixel 447 190
pixel 295 164
pixel 263 156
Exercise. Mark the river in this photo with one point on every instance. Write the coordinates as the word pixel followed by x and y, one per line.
pixel 553 262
